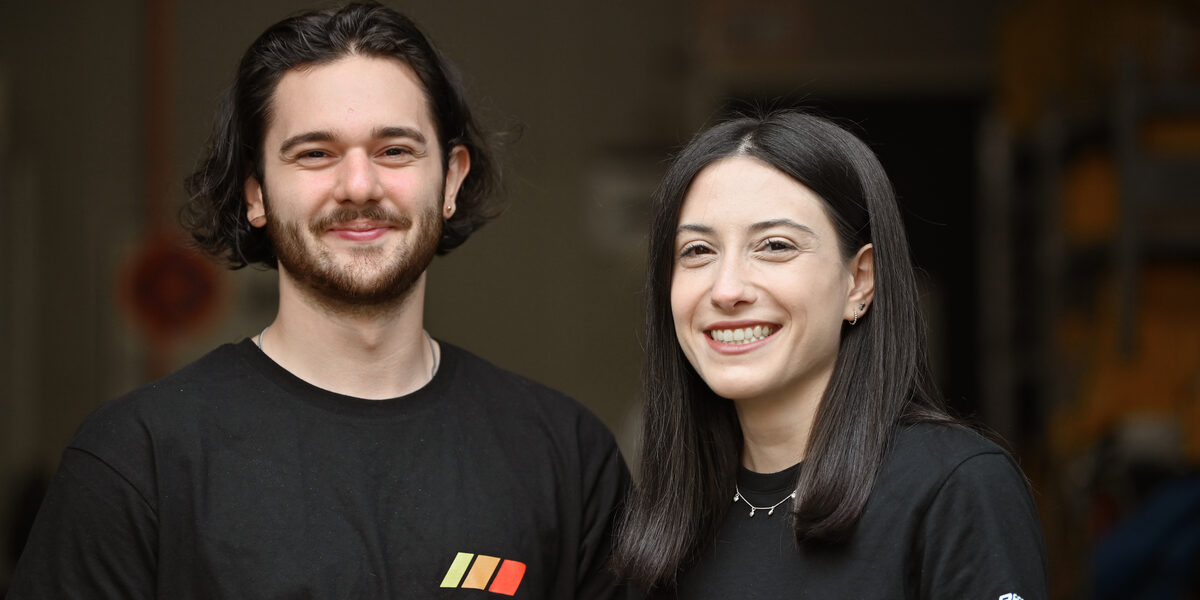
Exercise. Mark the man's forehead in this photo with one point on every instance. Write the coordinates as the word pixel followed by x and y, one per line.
pixel 351 92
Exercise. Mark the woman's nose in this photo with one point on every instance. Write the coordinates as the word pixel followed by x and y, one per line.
pixel 732 286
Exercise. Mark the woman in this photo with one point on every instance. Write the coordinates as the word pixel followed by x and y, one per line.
pixel 794 445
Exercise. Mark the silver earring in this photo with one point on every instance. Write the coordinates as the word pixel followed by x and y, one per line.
pixel 861 306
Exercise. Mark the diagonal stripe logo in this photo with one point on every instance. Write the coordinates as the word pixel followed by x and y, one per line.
pixel 483 572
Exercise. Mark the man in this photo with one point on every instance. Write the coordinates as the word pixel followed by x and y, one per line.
pixel 342 452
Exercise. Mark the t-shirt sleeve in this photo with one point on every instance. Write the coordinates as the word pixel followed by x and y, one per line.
pixel 94 537
pixel 981 537
pixel 605 480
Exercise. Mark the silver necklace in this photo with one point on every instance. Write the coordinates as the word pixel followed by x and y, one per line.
pixel 770 509
pixel 437 360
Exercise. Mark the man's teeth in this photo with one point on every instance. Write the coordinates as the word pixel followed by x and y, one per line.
pixel 745 335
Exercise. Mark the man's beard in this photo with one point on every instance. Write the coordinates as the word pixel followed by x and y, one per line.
pixel 372 280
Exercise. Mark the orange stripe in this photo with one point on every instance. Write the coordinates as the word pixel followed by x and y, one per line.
pixel 509 578
pixel 481 572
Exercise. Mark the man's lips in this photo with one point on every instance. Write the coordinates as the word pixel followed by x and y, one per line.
pixel 360 231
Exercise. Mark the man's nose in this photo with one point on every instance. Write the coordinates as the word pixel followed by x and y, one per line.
pixel 358 180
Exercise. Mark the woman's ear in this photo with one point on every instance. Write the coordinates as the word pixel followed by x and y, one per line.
pixel 862 283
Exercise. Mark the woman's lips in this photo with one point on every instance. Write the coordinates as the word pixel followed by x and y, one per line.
pixel 740 338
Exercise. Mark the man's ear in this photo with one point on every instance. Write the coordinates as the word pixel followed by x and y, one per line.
pixel 256 210
pixel 457 167
pixel 862 283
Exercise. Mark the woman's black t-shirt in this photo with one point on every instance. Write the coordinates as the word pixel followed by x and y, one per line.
pixel 950 516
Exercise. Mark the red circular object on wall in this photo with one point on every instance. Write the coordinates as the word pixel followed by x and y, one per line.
pixel 170 288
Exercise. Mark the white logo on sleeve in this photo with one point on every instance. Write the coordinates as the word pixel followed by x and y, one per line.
pixel 1011 597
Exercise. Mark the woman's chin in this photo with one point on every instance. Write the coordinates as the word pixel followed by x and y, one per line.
pixel 736 391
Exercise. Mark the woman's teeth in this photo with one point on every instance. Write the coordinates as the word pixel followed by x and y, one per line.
pixel 745 335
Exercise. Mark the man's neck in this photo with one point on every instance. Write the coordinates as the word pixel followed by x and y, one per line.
pixel 376 354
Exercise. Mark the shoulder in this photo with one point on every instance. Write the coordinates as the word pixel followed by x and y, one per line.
pixel 529 417
pixel 482 374
pixel 220 369
pixel 130 422
pixel 514 393
pixel 926 458
pixel 940 448
pixel 975 525
pixel 126 434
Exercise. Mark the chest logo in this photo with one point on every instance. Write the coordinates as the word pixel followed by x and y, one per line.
pixel 477 571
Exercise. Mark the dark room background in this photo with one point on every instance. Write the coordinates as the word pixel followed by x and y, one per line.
pixel 1046 154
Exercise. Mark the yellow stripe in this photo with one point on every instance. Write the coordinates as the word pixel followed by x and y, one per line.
pixel 457 568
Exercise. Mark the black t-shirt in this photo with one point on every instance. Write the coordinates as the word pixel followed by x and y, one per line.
pixel 950 517
pixel 232 478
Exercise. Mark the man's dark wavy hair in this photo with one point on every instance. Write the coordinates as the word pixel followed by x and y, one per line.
pixel 215 213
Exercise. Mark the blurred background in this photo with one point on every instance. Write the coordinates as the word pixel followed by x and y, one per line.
pixel 1046 154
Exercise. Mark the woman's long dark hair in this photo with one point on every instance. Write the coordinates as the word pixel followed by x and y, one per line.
pixel 691 441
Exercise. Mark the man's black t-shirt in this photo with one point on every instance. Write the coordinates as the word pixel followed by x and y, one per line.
pixel 232 478
pixel 950 517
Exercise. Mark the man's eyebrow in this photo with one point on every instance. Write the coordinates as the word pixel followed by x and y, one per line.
pixel 304 138
pixel 396 132
pixel 761 225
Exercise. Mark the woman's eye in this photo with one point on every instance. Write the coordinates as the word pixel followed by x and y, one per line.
pixel 777 245
pixel 694 250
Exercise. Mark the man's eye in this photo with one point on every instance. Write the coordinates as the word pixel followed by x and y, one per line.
pixel 397 151
pixel 314 154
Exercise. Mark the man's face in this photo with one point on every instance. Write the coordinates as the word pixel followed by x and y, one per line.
pixel 353 186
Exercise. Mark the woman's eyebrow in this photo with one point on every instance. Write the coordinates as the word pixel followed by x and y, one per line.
pixel 695 228
pixel 761 225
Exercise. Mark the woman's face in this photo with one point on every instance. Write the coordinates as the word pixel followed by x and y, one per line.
pixel 759 288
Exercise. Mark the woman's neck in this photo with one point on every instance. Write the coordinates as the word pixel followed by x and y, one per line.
pixel 775 430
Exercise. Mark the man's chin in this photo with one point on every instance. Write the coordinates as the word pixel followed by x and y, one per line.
pixel 354 279
pixel 372 277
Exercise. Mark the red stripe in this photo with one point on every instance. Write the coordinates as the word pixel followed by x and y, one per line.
pixel 508 578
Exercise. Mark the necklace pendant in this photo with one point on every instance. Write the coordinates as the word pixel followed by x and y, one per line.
pixel 771 512
pixel 752 512
pixel 737 497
